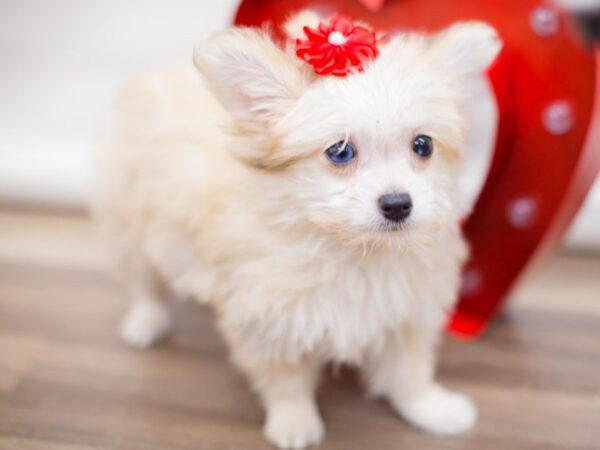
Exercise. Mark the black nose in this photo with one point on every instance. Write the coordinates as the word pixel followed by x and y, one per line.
pixel 395 207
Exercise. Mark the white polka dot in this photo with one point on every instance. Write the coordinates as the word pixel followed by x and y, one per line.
pixel 522 213
pixel 558 118
pixel 471 282
pixel 544 21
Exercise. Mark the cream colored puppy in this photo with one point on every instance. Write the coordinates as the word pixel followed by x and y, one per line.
pixel 318 215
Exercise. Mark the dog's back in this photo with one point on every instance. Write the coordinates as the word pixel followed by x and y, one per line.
pixel 166 146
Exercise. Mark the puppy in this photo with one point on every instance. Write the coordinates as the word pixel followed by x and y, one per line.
pixel 318 215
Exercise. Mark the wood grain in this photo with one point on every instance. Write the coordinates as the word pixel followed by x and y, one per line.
pixel 67 382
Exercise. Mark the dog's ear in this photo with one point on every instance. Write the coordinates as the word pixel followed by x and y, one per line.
pixel 466 48
pixel 253 78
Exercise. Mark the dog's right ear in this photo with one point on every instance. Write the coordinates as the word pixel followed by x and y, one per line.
pixel 253 78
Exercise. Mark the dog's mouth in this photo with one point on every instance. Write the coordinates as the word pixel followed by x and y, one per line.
pixel 392 227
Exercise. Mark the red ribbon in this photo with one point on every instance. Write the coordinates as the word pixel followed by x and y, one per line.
pixel 337 48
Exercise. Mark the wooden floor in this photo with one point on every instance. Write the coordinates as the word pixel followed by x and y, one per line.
pixel 67 382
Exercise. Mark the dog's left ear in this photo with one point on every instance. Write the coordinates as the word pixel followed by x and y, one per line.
pixel 253 78
pixel 466 48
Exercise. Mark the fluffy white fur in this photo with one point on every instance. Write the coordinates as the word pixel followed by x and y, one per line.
pixel 219 190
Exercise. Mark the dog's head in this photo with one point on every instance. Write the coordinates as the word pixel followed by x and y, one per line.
pixel 373 157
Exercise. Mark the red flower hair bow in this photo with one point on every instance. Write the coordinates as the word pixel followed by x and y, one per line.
pixel 338 47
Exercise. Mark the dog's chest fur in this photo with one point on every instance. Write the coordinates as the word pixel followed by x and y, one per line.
pixel 306 297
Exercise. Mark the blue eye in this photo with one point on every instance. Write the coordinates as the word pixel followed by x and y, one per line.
pixel 423 146
pixel 341 153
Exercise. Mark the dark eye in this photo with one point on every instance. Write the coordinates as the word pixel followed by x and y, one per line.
pixel 423 146
pixel 341 153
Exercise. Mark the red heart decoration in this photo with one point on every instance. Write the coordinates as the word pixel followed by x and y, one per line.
pixel 547 87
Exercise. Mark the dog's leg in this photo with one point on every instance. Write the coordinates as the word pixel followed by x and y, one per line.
pixel 149 317
pixel 403 372
pixel 288 394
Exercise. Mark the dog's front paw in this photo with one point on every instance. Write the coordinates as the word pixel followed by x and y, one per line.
pixel 146 323
pixel 441 412
pixel 294 426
